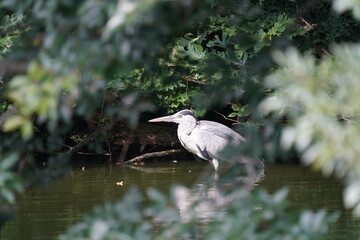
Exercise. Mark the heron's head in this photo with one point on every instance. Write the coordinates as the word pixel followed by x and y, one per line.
pixel 184 117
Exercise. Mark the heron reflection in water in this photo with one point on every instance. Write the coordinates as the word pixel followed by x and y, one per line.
pixel 205 139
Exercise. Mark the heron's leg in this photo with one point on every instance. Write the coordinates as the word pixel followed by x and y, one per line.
pixel 215 163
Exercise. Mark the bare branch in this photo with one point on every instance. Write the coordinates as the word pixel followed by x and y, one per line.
pixel 307 26
pixel 189 79
pixel 326 52
pixel 152 154
pixel 229 119
pixel 9 69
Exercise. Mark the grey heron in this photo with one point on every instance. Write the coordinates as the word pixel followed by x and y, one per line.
pixel 205 139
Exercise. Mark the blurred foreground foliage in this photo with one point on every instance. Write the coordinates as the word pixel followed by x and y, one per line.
pixel 96 62
pixel 257 215
pixel 321 99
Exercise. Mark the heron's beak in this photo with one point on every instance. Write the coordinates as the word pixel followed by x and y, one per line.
pixel 163 119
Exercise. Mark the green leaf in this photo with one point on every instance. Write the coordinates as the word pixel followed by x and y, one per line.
pixel 7 195
pixel 27 130
pixel 8 161
pixel 13 123
pixel 233 114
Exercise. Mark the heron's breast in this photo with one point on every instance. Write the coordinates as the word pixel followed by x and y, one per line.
pixel 188 142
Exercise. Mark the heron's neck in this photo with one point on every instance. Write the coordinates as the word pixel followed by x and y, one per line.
pixel 187 127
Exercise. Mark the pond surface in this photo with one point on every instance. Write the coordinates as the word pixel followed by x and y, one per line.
pixel 46 213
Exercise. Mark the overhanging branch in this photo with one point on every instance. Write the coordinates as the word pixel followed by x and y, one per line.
pixel 9 69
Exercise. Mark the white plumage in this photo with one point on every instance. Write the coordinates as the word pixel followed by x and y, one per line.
pixel 205 139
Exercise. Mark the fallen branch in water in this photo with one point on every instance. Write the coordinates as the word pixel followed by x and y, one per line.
pixel 83 142
pixel 152 154
pixel 90 137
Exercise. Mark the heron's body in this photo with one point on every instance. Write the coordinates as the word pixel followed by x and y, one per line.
pixel 205 139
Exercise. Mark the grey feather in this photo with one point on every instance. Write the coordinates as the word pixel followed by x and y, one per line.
pixel 206 139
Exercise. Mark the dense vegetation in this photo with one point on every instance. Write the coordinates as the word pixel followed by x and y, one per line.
pixel 286 71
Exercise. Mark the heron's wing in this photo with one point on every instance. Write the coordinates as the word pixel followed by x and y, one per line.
pixel 208 139
pixel 221 131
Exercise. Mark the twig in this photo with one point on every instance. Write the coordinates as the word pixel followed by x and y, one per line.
pixel 189 79
pixel 326 52
pixel 123 153
pixel 308 25
pixel 304 21
pixel 152 154
pixel 89 153
pixel 232 120
pixel 90 137
pixel 109 149
pixel 82 143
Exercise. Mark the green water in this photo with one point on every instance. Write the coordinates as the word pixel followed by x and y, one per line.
pixel 46 213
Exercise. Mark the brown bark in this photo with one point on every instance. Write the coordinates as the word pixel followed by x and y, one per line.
pixel 153 154
pixel 9 69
